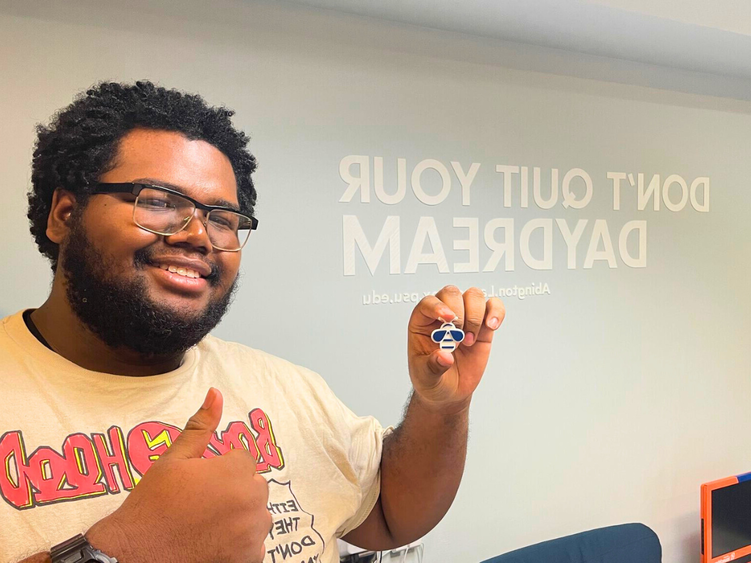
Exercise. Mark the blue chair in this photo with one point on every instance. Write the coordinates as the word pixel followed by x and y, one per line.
pixel 627 543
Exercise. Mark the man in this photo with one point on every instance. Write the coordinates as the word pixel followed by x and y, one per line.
pixel 142 199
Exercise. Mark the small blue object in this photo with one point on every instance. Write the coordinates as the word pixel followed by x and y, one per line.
pixel 448 336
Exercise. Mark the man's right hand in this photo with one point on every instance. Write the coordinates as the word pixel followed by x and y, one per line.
pixel 191 510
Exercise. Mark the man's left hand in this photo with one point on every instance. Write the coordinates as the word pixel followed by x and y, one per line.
pixel 423 458
pixel 443 379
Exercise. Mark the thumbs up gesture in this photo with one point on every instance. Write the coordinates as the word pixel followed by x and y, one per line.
pixel 191 510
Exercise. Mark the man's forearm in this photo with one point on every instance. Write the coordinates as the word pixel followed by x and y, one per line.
pixel 421 467
pixel 38 558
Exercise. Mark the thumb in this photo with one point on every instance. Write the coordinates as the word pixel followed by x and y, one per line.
pixel 440 361
pixel 199 428
pixel 430 367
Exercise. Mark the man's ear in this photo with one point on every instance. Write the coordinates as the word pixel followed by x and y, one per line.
pixel 63 205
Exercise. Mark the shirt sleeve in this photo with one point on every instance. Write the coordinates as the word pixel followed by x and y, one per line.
pixel 356 444
pixel 365 460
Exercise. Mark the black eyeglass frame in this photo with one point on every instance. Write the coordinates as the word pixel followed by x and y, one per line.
pixel 135 188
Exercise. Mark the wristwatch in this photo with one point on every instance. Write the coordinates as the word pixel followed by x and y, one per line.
pixel 78 550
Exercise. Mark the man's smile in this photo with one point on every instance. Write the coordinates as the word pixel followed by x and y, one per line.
pixel 183 266
pixel 182 271
pixel 184 274
pixel 179 278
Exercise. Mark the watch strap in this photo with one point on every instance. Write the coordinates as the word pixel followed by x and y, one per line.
pixel 78 550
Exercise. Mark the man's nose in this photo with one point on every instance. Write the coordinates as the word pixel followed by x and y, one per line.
pixel 194 234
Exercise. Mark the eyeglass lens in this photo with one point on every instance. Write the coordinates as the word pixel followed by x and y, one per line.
pixel 166 214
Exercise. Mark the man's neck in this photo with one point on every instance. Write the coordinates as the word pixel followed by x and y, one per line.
pixel 66 335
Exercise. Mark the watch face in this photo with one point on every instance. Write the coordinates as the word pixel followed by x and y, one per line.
pixel 92 555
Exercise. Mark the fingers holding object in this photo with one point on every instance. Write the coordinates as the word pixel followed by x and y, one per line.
pixel 495 312
pixel 451 296
pixel 469 311
pixel 432 309
pixel 474 314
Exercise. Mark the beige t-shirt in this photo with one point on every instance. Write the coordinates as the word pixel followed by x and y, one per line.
pixel 74 442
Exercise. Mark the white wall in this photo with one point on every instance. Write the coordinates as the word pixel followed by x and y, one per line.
pixel 730 15
pixel 611 399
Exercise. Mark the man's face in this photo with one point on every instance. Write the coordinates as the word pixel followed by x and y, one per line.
pixel 118 281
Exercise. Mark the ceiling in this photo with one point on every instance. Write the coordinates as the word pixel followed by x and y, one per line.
pixel 696 35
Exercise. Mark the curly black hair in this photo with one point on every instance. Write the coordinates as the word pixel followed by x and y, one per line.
pixel 81 142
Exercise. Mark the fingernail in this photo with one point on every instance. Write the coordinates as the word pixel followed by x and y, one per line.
pixel 209 400
pixel 493 322
pixel 448 315
pixel 469 339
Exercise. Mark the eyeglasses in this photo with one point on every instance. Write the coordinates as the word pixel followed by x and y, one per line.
pixel 164 211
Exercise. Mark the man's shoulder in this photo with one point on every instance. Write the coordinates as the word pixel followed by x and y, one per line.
pixel 8 322
pixel 227 353
pixel 15 338
pixel 235 351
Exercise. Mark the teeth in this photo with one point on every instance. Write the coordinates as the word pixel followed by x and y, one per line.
pixel 179 270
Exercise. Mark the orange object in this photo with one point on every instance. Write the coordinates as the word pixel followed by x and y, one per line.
pixel 726 520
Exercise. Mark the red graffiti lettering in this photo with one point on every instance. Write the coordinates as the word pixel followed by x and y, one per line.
pixel 270 453
pixel 14 485
pixel 113 456
pixel 102 464
pixel 82 466
pixel 47 474
pixel 237 436
pixel 74 474
pixel 149 440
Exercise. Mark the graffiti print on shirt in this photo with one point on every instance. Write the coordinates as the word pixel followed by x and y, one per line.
pixel 293 537
pixel 99 464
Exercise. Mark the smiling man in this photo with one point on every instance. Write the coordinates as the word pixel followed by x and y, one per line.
pixel 142 199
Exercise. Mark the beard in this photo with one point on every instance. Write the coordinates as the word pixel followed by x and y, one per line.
pixel 121 313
